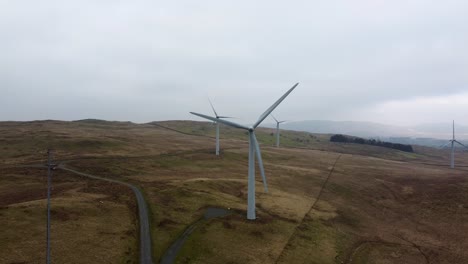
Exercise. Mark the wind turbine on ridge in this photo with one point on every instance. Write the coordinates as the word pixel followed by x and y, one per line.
pixel 278 130
pixel 452 142
pixel 254 148
pixel 217 126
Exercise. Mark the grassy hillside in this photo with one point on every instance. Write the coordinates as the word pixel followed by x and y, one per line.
pixel 93 222
pixel 375 205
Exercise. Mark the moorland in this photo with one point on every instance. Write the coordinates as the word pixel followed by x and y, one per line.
pixel 328 202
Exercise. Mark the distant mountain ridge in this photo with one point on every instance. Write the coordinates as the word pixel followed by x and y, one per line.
pixel 426 134
pixel 361 129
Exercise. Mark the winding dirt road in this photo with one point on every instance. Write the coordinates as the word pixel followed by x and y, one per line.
pixel 145 236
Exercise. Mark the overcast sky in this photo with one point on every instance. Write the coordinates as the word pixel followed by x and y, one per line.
pixel 395 62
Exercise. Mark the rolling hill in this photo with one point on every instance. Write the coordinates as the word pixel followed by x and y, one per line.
pixel 328 202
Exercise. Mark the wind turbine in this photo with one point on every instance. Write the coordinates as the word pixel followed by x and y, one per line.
pixel 217 126
pixel 277 130
pixel 254 148
pixel 452 142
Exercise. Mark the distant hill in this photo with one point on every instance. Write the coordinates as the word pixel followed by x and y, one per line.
pixel 360 129
pixel 100 121
pixel 433 135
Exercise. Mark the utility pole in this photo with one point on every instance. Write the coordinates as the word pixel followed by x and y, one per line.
pixel 49 164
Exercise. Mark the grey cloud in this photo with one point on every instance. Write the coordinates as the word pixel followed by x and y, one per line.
pixel 161 59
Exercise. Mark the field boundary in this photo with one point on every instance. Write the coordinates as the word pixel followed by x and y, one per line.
pixel 311 207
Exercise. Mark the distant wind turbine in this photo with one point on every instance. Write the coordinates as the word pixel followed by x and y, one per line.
pixel 278 130
pixel 452 142
pixel 217 126
pixel 254 148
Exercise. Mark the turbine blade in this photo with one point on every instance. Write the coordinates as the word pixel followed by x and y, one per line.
pixel 446 144
pixel 461 144
pixel 220 121
pixel 225 117
pixel 260 162
pixel 283 121
pixel 212 107
pixel 271 108
pixel 274 118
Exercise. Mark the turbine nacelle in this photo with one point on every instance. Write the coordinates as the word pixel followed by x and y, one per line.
pixel 279 122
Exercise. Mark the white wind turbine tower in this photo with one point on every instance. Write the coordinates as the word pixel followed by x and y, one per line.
pixel 254 148
pixel 278 130
pixel 452 142
pixel 217 127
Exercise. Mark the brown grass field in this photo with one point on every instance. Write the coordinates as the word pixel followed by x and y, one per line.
pixel 376 205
